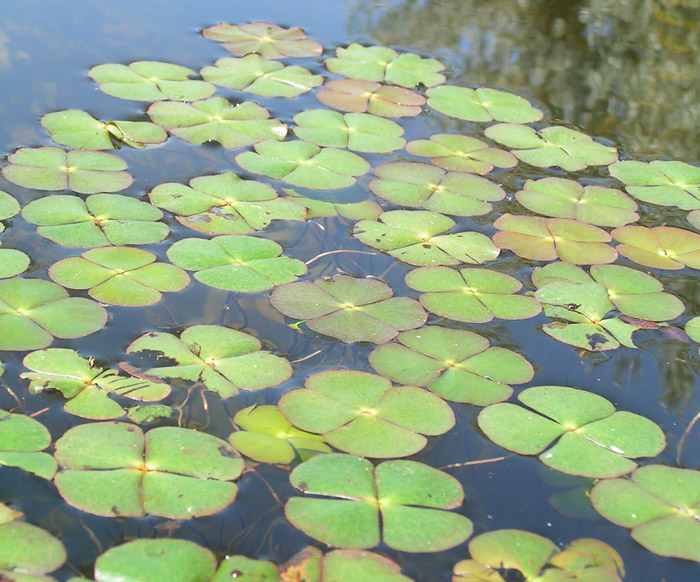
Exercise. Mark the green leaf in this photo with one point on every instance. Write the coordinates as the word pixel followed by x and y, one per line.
pixel 225 204
pixel 661 182
pixel 119 275
pixel 382 64
pixel 304 164
pixel 269 40
pixel 236 263
pixel 349 309
pixel 546 239
pixel 471 295
pixel 595 440
pixel 29 550
pixel 364 210
pixel 85 385
pixel 458 365
pixel 411 237
pixel 12 262
pixel 481 104
pixel 359 132
pixel 8 206
pixel 216 119
pixel 100 220
pixel 356 96
pixel 363 414
pixel 223 359
pixel 21 440
pixel 560 198
pixel 460 153
pixel 661 247
pixel 52 168
pixel 79 130
pixel 661 506
pixel 555 146
pixel 33 311
pixel 111 469
pixel 422 185
pixel 255 74
pixel 410 497
pixel 269 437
pixel 150 81
pixel 156 560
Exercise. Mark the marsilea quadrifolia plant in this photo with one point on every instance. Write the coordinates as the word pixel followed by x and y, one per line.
pixel 344 435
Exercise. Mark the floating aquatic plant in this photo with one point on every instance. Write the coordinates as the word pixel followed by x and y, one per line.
pixel 596 441
pixel 12 262
pixel 364 210
pixel 482 104
pixel 269 40
pixel 355 96
pixel 661 247
pixel 410 498
pixel 363 414
pixel 349 309
pixel 21 441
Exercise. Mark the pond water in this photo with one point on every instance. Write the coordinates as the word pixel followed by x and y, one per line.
pixel 625 72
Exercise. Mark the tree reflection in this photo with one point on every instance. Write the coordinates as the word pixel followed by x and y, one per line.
pixel 623 69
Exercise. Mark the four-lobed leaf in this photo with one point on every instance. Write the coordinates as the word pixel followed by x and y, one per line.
pixel 266 39
pixel 100 220
pixel 53 168
pixel 216 119
pixel 661 247
pixel 355 96
pixel 592 439
pixel 401 503
pixel 119 275
pixel 481 104
pixel 349 309
pixel 236 263
pixel 384 65
pixel 363 414
pixel 555 146
pixel 21 441
pixel 418 185
pixel 112 469
pixel 456 364
pixel 223 360
pixel 225 204
pixel 260 76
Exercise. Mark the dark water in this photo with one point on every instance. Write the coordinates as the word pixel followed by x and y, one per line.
pixel 625 70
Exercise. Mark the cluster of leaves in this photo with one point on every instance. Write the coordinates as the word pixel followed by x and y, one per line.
pixel 116 469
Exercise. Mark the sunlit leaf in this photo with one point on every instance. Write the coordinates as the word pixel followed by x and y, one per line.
pixel 360 132
pixel 216 119
pixel 150 81
pixel 560 198
pixel 119 275
pixel 472 295
pixel 236 263
pixel 113 469
pixel 357 96
pixel 382 64
pixel 456 364
pixel 421 185
pixel 546 239
pixel 555 146
pixel 481 104
pixel 12 262
pixel 661 182
pixel 304 164
pixel 363 414
pixel 661 506
pixel 349 309
pixel 661 247
pixel 412 236
pixel 33 311
pixel 269 437
pixel 100 220
pixel 269 40
pixel 27 552
pixel 21 441
pixel 460 153
pixel 596 441
pixel 259 76
pixel 79 130
pixel 8 207
pixel 409 496
pixel 52 168
pixel 364 210
pixel 225 204
pixel 223 359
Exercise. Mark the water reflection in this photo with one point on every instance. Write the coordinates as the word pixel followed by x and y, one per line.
pixel 623 69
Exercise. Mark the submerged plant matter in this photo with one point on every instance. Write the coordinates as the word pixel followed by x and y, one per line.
pixel 457 239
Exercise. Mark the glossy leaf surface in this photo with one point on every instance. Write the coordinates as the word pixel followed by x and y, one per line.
pixel 269 40
pixel 482 104
pixel 349 309
pixel 661 247
pixel 26 550
pixel 21 441
pixel 661 182
pixel 355 96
